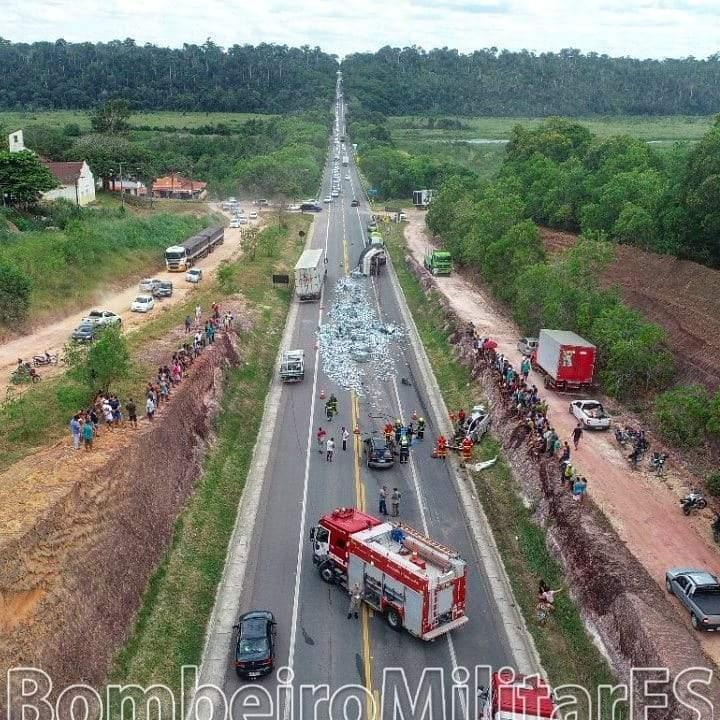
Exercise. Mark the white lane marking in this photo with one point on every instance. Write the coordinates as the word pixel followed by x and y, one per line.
pixel 306 483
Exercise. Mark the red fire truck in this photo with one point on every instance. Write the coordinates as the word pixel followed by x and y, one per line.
pixel 516 697
pixel 415 582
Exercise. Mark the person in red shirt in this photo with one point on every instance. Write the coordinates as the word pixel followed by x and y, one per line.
pixel 321 434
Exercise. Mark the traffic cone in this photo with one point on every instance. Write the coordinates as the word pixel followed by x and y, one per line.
pixel 322 394
pixel 356 431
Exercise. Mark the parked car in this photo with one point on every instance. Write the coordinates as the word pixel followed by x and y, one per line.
pixel 101 317
pixel 335 193
pixel 527 345
pixel 193 275
pixel 377 453
pixel 147 285
pixel 84 333
pixel 163 289
pixel 327 199
pixel 242 220
pixel 354 203
pixel 235 222
pixel 142 303
pixel 255 646
pixel 591 414
pixel 253 215
pixel 699 592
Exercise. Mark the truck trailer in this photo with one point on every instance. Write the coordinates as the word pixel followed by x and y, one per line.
pixel 414 582
pixel 178 258
pixel 310 275
pixel 566 361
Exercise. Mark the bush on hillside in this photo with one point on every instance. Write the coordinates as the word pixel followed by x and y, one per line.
pixel 681 415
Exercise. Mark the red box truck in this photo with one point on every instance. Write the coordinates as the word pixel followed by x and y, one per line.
pixel 566 361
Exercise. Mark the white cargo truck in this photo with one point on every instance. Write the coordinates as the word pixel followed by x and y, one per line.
pixel 345 160
pixel 310 275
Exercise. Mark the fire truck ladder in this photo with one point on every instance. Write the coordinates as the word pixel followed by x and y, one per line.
pixel 423 539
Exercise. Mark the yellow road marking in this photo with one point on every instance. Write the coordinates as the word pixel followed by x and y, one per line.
pixel 372 704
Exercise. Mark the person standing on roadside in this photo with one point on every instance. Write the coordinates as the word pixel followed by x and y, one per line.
pixel 382 501
pixel 87 433
pixel 321 434
pixel 75 431
pixel 355 599
pixel 345 437
pixel 188 323
pixel 150 408
pixel 577 434
pixel 330 449
pixel 395 502
pixel 132 412
pixel 198 313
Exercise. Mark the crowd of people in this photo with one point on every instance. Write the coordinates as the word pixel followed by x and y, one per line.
pixel 107 411
pixel 543 440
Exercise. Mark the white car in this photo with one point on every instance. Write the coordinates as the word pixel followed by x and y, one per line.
pixel 328 199
pixel 591 414
pixel 193 275
pixel 253 215
pixel 147 285
pixel 336 193
pixel 101 318
pixel 142 303
pixel 347 177
pixel 235 223
pixel 402 217
pixel 527 345
pixel 242 220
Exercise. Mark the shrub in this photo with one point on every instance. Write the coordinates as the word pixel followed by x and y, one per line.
pixel 15 288
pixel 682 413
pixel 712 483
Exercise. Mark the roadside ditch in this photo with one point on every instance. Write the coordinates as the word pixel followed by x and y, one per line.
pixel 611 609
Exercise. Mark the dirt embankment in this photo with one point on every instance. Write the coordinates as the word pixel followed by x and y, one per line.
pixel 82 532
pixel 621 602
pixel 680 296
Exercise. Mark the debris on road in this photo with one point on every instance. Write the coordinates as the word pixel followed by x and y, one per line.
pixel 477 467
pixel 354 344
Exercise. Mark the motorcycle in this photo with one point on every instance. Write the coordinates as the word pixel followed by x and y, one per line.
pixel 641 447
pixel 24 374
pixel 693 501
pixel 627 435
pixel 45 359
pixel 657 463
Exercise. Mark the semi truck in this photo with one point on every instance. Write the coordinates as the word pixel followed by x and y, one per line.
pixel 565 360
pixel 178 258
pixel 512 696
pixel 310 275
pixel 438 262
pixel 414 582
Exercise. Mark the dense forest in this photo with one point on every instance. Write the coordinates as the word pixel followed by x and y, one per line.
pixel 412 81
pixel 261 79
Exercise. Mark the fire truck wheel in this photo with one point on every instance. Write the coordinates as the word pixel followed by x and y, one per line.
pixel 393 619
pixel 326 573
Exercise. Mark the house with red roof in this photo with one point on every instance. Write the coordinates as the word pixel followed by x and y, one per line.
pixel 179 188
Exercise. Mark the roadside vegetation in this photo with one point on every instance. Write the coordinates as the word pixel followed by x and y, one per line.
pixel 63 255
pixel 170 626
pixel 565 647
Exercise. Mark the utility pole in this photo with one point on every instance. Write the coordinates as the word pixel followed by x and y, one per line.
pixel 122 190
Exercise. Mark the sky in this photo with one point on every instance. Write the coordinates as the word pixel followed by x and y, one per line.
pixel 637 28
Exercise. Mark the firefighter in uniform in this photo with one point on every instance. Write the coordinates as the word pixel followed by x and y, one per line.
pixel 421 428
pixel 466 447
pixel 388 431
pixel 331 407
pixel 441 447
pixel 398 430
pixel 404 447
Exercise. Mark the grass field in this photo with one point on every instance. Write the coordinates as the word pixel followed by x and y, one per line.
pixel 12 120
pixel 672 128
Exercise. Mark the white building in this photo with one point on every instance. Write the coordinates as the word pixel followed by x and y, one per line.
pixel 76 181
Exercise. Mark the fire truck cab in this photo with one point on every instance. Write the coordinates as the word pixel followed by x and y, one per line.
pixel 516 697
pixel 415 582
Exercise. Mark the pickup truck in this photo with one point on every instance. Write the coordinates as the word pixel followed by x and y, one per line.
pixel 699 592
pixel 292 366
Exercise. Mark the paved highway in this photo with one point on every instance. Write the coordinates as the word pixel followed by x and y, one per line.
pixel 314 637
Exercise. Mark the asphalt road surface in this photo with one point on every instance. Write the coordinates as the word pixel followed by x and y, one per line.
pixel 314 637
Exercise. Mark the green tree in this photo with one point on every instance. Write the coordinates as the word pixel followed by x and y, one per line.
pixel 111 118
pixel 681 415
pixel 98 366
pixel 23 178
pixel 15 289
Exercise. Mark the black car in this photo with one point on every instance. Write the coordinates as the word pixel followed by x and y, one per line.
pixel 84 333
pixel 354 203
pixel 377 453
pixel 310 207
pixel 164 288
pixel 255 648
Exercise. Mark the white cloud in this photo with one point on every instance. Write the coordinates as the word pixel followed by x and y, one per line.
pixel 640 28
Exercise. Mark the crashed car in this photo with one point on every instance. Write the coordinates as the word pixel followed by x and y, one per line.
pixel 591 414
pixel 377 452
pixel 476 424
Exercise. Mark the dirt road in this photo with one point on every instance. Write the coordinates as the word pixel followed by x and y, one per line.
pixel 54 336
pixel 643 509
